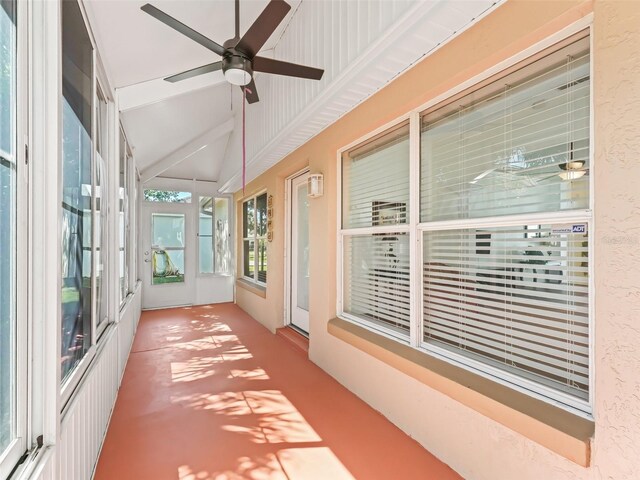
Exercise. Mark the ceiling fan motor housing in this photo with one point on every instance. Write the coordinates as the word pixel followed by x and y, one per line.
pixel 237 68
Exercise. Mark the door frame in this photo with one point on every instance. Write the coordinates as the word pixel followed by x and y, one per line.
pixel 288 220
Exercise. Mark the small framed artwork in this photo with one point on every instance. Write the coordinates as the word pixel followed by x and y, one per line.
pixel 388 213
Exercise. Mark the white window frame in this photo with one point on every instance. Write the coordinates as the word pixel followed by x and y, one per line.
pixel 407 228
pixel 256 238
pixel 416 229
pixel 11 456
pixel 107 281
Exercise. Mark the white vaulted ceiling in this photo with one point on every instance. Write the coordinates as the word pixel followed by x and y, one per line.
pixel 136 47
pixel 362 45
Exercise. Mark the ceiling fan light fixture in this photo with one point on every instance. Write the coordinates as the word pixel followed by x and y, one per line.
pixel 237 76
pixel 239 54
pixel 572 165
pixel 572 174
pixel 237 70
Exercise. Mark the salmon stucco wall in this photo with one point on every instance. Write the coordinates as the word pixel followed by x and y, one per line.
pixel 471 443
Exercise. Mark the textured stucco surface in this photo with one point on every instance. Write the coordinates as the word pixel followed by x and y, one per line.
pixel 475 446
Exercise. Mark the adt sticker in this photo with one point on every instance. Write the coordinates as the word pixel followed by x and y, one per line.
pixel 570 228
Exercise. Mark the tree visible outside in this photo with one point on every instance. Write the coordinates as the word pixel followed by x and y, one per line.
pixel 168 196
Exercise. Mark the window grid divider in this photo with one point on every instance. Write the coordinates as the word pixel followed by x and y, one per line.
pixel 566 216
pixel 415 329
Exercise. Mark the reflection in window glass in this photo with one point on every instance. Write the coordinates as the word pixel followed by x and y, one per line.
pixel 168 196
pixel 77 105
pixel 7 224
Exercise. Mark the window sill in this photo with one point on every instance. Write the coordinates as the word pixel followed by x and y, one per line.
pixel 558 430
pixel 254 288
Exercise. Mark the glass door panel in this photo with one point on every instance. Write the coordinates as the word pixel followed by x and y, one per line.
pixel 302 247
pixel 168 246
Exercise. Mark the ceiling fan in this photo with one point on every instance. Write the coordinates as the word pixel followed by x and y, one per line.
pixel 239 55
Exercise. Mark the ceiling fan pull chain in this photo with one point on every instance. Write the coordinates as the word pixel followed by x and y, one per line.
pixel 244 145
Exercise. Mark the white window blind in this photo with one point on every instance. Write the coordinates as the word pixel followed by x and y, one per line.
pixel 510 152
pixel 377 280
pixel 376 254
pixel 376 181
pixel 514 297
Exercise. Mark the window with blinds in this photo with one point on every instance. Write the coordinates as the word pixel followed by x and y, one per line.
pixel 512 295
pixel 503 224
pixel 375 193
pixel 510 147
pixel 375 181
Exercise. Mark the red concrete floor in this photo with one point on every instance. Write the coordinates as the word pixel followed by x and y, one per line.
pixel 208 393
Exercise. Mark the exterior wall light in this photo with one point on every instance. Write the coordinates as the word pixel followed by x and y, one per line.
pixel 315 185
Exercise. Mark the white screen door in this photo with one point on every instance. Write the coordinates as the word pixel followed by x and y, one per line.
pixel 299 205
pixel 168 271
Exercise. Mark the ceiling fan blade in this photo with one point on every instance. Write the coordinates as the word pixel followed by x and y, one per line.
pixel 278 67
pixel 252 93
pixel 194 72
pixel 263 27
pixel 182 28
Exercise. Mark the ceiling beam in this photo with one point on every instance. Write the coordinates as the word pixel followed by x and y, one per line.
pixel 156 90
pixel 186 151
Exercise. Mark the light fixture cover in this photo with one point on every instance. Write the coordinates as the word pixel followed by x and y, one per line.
pixel 237 76
pixel 315 185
